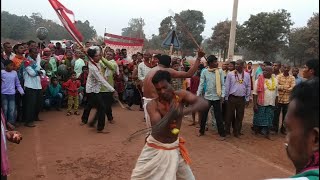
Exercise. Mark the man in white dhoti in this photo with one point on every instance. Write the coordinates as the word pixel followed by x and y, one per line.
pixel 164 156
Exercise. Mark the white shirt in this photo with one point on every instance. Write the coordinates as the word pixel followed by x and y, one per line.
pixel 95 80
pixel 31 78
pixel 269 96
pixel 143 70
pixel 79 63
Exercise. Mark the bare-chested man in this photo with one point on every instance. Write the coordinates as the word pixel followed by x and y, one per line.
pixel 164 156
pixel 164 64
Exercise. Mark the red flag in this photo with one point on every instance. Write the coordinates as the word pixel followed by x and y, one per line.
pixel 63 14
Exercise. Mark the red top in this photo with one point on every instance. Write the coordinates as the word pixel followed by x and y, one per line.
pixel 72 87
pixel 83 79
pixel 194 84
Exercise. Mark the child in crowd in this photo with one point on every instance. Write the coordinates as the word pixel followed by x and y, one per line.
pixel 54 94
pixel 119 83
pixel 129 92
pixel 83 81
pixel 176 82
pixel 72 86
pixel 9 83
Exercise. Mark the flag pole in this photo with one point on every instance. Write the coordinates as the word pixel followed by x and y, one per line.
pixel 232 39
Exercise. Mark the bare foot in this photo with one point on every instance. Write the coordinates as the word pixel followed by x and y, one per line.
pixel 82 123
pixel 103 131
pixel 222 138
pixel 200 134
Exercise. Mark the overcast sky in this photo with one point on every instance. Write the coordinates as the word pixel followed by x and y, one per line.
pixel 115 15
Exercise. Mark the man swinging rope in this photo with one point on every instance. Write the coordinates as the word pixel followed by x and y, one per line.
pixel 164 155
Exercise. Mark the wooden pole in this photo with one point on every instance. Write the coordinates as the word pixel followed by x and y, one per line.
pixel 233 30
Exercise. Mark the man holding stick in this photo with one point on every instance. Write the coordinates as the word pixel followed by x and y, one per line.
pixel 164 155
pixel 150 92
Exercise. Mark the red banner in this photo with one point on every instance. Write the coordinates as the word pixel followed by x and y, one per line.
pixel 122 43
pixel 136 40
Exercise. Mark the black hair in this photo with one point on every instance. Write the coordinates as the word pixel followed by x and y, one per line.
pixel 58 43
pixel 53 79
pixel 84 67
pixel 16 47
pixel 91 52
pixel 267 63
pixel 174 63
pixel 161 76
pixel 35 50
pixel 157 56
pixel 201 66
pixel 306 95
pixel 165 60
pixel 233 63
pixel 73 72
pixel 187 68
pixel 277 62
pixel 211 58
pixel 7 62
pixel 314 65
pixel 30 42
pixel 250 62
pixel 134 55
pixel 123 50
pixel 241 62
pixel 6 43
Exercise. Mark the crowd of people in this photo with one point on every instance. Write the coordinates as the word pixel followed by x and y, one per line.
pixel 37 78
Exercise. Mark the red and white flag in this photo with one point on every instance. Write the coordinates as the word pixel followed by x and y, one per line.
pixel 64 15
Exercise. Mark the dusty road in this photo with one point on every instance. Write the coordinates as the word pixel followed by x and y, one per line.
pixel 60 149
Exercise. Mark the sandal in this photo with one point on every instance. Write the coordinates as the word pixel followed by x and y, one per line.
pixel 69 114
pixel 76 113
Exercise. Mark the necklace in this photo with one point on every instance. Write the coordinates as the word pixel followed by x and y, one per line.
pixel 271 87
pixel 173 125
pixel 240 81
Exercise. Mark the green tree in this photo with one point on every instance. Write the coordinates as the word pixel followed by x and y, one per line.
pixel 312 34
pixel 265 34
pixel 192 21
pixel 13 26
pixel 88 32
pixel 24 28
pixel 304 42
pixel 298 45
pixel 166 26
pixel 154 43
pixel 134 29
pixel 220 37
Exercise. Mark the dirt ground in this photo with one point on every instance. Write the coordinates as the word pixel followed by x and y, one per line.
pixel 60 149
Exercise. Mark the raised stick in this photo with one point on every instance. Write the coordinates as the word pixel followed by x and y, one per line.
pixel 185 28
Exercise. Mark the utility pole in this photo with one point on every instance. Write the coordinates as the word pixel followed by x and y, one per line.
pixel 232 39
